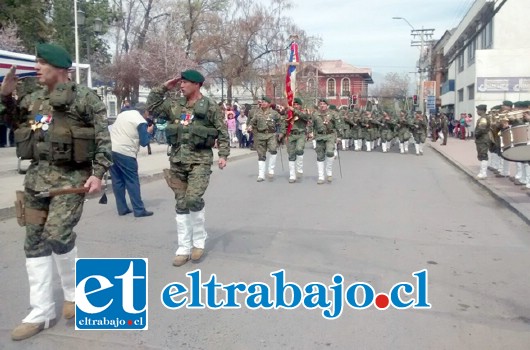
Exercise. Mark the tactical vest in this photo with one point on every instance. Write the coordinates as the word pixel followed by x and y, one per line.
pixel 265 121
pixel 66 139
pixel 195 129
pixel 324 126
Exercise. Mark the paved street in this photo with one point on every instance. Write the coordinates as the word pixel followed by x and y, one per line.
pixel 389 216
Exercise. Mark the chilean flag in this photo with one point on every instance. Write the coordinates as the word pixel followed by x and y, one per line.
pixel 290 81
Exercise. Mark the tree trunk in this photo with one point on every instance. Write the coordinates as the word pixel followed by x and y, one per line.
pixel 229 85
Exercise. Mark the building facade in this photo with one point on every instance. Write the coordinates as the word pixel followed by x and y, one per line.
pixel 333 80
pixel 487 57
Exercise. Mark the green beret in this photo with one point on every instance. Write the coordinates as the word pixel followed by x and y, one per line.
pixel 507 103
pixel 495 108
pixel 266 99
pixel 298 100
pixel 324 100
pixel 482 108
pixel 519 104
pixel 192 76
pixel 55 55
pixel 333 107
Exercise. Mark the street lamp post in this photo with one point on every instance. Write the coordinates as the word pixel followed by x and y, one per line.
pixel 76 35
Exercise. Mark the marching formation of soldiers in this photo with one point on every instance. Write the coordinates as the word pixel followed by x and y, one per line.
pixel 327 127
pixel 492 147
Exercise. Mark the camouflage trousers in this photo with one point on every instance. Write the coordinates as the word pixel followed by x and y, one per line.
pixel 403 135
pixel 420 137
pixel 482 150
pixel 295 146
pixel 387 135
pixel 264 143
pixel 325 147
pixel 56 234
pixel 189 183
pixel 369 134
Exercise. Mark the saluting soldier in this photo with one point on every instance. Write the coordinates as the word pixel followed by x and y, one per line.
pixel 327 129
pixel 264 124
pixel 194 124
pixel 297 140
pixel 62 127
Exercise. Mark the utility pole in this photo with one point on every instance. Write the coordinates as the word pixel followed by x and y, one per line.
pixel 424 36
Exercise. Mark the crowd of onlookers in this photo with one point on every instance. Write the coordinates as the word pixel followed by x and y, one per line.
pixel 236 119
pixel 460 127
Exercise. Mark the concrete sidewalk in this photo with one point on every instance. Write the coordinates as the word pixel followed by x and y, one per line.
pixel 463 154
pixel 149 167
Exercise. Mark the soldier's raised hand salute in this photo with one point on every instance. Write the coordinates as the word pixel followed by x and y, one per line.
pixel 172 83
pixel 10 82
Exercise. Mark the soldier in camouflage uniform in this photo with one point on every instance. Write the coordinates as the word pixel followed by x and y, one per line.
pixel 63 128
pixel 419 131
pixel 369 124
pixel 482 140
pixel 356 130
pixel 517 120
pixel 387 131
pixel 403 132
pixel 346 131
pixel 264 124
pixel 327 128
pixel 296 140
pixel 194 124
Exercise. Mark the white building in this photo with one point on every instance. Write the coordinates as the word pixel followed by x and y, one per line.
pixel 487 57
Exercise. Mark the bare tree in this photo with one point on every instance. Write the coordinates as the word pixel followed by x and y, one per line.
pixel 9 40
pixel 163 59
pixel 394 88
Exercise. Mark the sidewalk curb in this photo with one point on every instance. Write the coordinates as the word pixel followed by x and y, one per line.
pixel 483 184
pixel 9 212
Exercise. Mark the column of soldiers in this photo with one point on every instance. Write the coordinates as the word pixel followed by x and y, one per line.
pixel 380 129
pixel 269 123
pixel 488 131
pixel 328 128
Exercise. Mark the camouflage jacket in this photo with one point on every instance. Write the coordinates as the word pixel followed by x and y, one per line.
pixel 267 121
pixel 172 110
pixel 87 109
pixel 482 128
pixel 326 123
pixel 301 120
pixel 420 126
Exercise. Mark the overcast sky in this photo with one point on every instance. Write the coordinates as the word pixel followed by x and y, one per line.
pixel 363 33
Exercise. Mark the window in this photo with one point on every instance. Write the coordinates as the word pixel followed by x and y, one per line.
pixel 345 86
pixel 461 95
pixel 310 85
pixel 471 48
pixel 461 62
pixel 112 108
pixel 331 87
pixel 471 91
pixel 487 36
